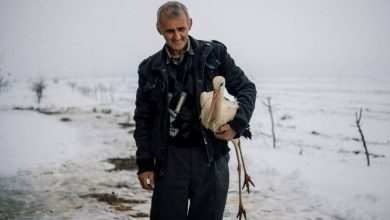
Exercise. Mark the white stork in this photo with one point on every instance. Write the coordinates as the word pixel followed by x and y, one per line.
pixel 217 111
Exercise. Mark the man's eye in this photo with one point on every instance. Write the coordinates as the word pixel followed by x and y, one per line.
pixel 182 29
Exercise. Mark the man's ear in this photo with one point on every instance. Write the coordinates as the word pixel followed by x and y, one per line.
pixel 189 23
pixel 158 29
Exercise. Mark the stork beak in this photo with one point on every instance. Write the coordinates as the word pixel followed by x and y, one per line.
pixel 213 103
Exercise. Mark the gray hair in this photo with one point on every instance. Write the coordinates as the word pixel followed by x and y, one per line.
pixel 172 9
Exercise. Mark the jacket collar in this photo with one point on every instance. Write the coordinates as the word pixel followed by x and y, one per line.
pixel 158 63
pixel 169 59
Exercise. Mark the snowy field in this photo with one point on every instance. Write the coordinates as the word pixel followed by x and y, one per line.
pixel 71 156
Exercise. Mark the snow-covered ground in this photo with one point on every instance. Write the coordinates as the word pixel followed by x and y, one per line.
pixel 54 156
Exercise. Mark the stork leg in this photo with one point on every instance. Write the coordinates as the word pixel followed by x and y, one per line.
pixel 247 178
pixel 241 210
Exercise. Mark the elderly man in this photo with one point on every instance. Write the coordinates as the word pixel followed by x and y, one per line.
pixel 184 164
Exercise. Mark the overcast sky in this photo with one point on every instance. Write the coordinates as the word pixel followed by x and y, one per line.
pixel 265 37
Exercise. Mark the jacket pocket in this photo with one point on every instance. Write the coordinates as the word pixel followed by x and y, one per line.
pixel 212 64
pixel 211 70
pixel 154 89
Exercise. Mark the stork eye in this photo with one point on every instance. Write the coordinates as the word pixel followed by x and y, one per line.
pixel 221 85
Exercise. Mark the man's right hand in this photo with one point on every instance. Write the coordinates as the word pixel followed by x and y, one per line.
pixel 147 180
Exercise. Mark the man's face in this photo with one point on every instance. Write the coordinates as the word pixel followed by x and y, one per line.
pixel 175 32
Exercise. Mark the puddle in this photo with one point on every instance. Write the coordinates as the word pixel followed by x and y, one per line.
pixel 139 215
pixel 65 119
pixel 127 125
pixel 17 204
pixel 128 163
pixel 117 203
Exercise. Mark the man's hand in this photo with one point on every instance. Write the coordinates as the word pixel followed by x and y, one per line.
pixel 147 180
pixel 225 132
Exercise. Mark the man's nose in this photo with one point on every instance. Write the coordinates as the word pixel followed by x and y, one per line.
pixel 177 35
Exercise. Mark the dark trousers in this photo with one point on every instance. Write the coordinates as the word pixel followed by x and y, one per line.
pixel 188 188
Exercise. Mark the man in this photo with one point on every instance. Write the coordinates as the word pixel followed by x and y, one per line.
pixel 184 164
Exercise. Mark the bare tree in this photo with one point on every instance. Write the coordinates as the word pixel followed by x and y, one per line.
pixel 111 91
pixel 5 84
pixel 38 88
pixel 72 85
pixel 2 82
pixel 358 119
pixel 1 59
pixel 269 106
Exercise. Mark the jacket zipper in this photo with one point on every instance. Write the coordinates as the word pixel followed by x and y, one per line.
pixel 203 61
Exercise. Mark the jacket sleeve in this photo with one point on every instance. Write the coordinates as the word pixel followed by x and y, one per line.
pixel 238 85
pixel 143 117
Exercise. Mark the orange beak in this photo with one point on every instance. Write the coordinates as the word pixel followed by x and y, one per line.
pixel 213 104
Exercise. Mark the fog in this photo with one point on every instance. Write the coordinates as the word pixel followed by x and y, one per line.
pixel 296 38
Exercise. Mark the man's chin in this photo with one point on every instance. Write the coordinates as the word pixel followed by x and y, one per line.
pixel 178 46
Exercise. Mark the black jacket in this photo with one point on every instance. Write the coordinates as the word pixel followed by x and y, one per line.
pixel 151 112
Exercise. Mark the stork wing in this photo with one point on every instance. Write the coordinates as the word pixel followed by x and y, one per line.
pixel 205 104
pixel 205 99
pixel 229 110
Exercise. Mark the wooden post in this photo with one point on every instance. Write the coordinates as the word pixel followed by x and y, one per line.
pixel 269 106
pixel 358 119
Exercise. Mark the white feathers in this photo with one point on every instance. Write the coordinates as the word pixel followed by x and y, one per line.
pixel 222 110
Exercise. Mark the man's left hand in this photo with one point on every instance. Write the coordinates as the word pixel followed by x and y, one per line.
pixel 225 132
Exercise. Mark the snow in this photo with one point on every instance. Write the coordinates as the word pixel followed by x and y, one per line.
pixel 24 145
pixel 50 167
